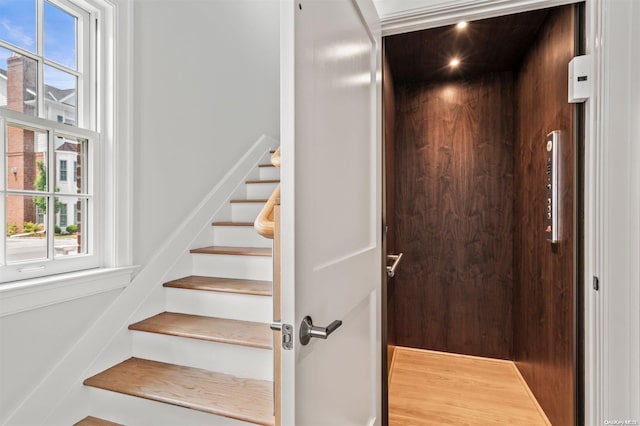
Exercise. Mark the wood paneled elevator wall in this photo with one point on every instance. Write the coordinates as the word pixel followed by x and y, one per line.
pixel 388 95
pixel 468 209
pixel 453 215
pixel 544 294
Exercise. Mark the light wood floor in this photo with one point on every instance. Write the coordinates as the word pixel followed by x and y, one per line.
pixel 430 388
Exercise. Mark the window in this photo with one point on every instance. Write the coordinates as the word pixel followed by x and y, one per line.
pixel 62 220
pixel 63 170
pixel 39 216
pixel 48 116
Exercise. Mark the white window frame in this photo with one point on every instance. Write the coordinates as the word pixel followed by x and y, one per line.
pixel 54 264
pixel 109 83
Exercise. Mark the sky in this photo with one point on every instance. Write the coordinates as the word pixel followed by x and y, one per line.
pixel 18 27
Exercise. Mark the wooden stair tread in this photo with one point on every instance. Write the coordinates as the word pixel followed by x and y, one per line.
pixel 250 200
pixel 238 251
pixel 215 393
pixel 235 332
pixel 94 421
pixel 266 165
pixel 232 223
pixel 263 181
pixel 224 285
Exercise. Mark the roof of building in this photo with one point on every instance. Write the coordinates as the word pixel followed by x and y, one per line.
pixel 51 93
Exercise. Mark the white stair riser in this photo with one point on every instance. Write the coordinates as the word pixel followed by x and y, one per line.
pixel 245 212
pixel 133 411
pixel 232 266
pixel 269 173
pixel 241 361
pixel 245 307
pixel 260 190
pixel 239 236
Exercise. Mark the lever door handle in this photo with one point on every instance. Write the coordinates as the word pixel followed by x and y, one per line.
pixel 308 330
pixel 391 270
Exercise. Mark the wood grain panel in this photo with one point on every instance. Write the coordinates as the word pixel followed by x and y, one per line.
pixel 277 315
pixel 236 251
pixel 224 285
pixel 453 216
pixel 388 98
pixel 94 421
pixel 223 330
pixel 248 400
pixel 389 246
pixel 544 299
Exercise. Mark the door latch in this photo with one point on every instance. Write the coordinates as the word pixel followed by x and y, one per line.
pixel 287 334
pixel 308 330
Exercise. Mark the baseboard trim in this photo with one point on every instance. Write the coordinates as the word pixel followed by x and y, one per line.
pixel 531 395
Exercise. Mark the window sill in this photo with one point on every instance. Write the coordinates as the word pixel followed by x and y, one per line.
pixel 20 296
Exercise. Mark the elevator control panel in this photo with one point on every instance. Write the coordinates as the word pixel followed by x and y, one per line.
pixel 552 149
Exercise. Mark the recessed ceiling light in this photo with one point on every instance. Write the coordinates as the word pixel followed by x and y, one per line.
pixel 461 25
pixel 454 62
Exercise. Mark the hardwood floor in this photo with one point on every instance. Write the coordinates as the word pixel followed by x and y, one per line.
pixel 427 388
pixel 248 400
pixel 234 332
pixel 94 421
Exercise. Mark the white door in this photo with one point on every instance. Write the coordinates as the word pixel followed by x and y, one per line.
pixel 331 210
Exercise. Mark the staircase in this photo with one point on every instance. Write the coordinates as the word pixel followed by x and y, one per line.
pixel 208 359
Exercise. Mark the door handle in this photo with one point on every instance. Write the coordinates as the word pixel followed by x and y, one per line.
pixel 308 330
pixel 391 270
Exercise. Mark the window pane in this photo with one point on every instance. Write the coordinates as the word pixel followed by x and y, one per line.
pixel 63 170
pixel 28 240
pixel 71 158
pixel 18 23
pixel 18 82
pixel 59 36
pixel 69 239
pixel 60 95
pixel 26 159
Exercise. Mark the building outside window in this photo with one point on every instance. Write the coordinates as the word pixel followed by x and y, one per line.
pixel 48 111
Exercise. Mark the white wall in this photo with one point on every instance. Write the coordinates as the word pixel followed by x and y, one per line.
pixel 620 279
pixel 34 341
pixel 206 86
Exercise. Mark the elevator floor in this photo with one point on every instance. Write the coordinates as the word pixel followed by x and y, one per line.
pixel 431 388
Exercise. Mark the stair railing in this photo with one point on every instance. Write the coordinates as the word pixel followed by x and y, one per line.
pixel 267 224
